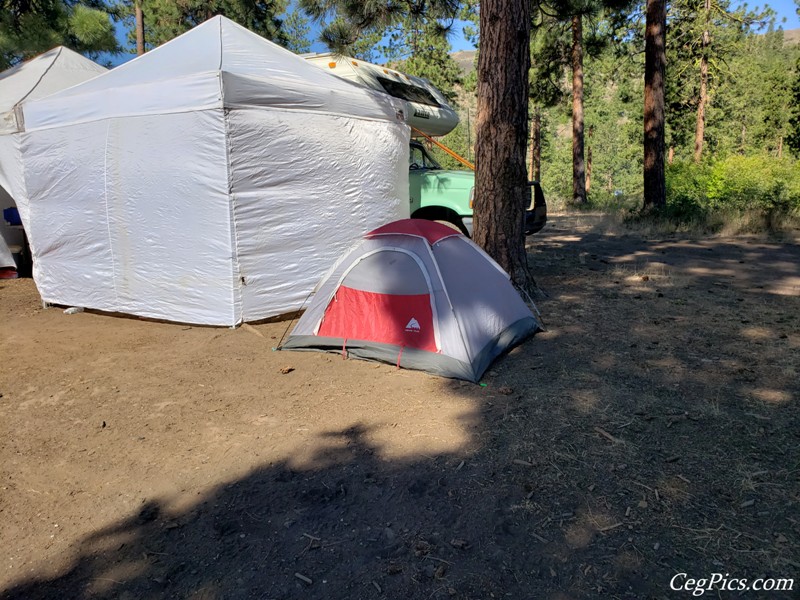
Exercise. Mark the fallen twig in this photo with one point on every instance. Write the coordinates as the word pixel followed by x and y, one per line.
pixel 540 538
pixel 608 436
pixel 760 417
pixel 441 560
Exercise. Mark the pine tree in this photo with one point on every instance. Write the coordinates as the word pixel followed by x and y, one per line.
pixel 501 189
pixel 559 20
pixel 30 28
pixel 167 19
pixel 296 31
pixel 793 138
pixel 655 195
pixel 704 34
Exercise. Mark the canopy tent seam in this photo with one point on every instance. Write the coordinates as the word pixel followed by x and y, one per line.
pixel 237 277
pixel 216 106
pixel 108 215
pixel 41 77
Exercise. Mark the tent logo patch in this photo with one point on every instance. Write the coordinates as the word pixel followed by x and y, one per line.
pixel 413 326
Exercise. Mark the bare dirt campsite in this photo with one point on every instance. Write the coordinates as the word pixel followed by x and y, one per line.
pixel 653 429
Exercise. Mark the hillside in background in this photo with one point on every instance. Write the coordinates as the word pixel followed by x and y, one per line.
pixel 466 60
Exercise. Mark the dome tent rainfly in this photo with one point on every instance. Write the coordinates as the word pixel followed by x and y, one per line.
pixel 38 77
pixel 420 295
pixel 212 180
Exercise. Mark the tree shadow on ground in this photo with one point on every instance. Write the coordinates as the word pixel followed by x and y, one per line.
pixel 358 528
pixel 646 434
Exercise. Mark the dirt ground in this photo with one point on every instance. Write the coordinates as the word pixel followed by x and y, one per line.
pixel 653 429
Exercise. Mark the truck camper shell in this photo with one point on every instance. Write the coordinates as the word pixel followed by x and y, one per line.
pixel 428 110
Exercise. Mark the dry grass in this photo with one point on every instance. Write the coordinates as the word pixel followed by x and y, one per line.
pixel 623 220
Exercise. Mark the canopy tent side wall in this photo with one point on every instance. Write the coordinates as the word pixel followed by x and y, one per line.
pixel 132 215
pixel 304 185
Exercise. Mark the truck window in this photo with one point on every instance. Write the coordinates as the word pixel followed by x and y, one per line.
pixel 419 158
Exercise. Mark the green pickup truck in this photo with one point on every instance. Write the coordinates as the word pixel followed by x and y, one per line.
pixel 446 195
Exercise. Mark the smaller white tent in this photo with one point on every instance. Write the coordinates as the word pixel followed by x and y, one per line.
pixel 212 180
pixel 46 74
pixel 419 295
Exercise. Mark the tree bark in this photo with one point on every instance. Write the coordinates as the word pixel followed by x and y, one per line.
pixel 139 27
pixel 700 126
pixel 501 190
pixel 671 155
pixel 578 165
pixel 655 194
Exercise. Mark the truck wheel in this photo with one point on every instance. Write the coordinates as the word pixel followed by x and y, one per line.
pixel 442 215
pixel 450 225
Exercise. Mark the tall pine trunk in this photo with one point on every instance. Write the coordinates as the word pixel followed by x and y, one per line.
pixel 139 27
pixel 700 126
pixel 501 190
pixel 655 60
pixel 578 165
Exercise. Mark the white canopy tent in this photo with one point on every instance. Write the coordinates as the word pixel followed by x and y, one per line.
pixel 46 74
pixel 212 180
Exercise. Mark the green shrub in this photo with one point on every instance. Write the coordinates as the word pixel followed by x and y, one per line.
pixel 753 183
pixel 686 191
pixel 734 184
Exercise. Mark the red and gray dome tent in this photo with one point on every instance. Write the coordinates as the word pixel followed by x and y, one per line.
pixel 419 295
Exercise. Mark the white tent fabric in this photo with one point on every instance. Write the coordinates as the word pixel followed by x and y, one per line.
pixel 48 73
pixel 212 180
pixel 53 71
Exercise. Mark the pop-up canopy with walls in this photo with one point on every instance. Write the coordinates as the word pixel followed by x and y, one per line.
pixel 212 180
pixel 46 74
